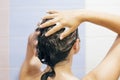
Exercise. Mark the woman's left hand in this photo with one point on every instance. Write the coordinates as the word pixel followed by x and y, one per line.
pixel 63 19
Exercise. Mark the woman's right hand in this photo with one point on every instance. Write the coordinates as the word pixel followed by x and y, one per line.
pixel 63 19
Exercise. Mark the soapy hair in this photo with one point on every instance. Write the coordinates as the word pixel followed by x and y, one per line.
pixel 52 50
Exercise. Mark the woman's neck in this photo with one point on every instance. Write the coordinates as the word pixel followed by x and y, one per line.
pixel 64 66
pixel 63 71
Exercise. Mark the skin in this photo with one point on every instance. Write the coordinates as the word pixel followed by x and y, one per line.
pixel 108 69
pixel 73 20
pixel 30 69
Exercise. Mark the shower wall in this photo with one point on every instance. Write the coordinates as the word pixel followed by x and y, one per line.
pixel 24 16
pixel 99 39
pixel 18 18
pixel 4 40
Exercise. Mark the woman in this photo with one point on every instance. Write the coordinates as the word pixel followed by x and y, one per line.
pixel 108 69
pixel 55 53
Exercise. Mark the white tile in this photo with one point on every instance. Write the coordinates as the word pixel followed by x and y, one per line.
pixel 4 74
pixel 4 22
pixel 93 30
pixel 4 4
pixel 4 52
pixel 4 43
pixel 4 60
pixel 98 39
pixel 96 49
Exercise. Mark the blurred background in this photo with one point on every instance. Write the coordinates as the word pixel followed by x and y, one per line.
pixel 18 18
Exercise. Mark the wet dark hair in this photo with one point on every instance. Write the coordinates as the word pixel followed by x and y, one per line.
pixel 52 50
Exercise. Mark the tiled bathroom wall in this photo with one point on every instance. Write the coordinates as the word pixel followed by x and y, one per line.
pixel 24 16
pixel 99 39
pixel 18 18
pixel 4 36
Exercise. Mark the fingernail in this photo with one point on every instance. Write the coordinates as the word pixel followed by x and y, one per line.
pixel 61 37
pixel 38 32
pixel 46 34
pixel 36 42
pixel 41 26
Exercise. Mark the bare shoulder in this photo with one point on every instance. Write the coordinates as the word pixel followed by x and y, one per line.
pixel 89 76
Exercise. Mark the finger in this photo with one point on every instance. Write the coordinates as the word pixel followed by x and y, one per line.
pixel 50 16
pixel 49 23
pixel 53 30
pixel 35 34
pixel 34 38
pixel 52 11
pixel 66 33
pixel 35 42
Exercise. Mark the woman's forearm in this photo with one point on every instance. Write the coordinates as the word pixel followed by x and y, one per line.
pixel 111 22
pixel 73 18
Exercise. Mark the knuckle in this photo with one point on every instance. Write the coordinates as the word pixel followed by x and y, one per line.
pixel 45 17
pixel 51 22
pixel 63 23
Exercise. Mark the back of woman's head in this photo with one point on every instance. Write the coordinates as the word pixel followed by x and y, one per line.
pixel 52 50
